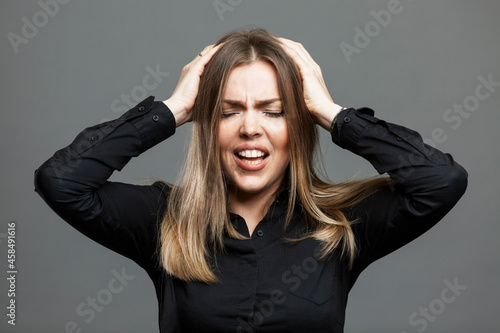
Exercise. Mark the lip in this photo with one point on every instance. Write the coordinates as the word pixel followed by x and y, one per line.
pixel 251 167
pixel 251 146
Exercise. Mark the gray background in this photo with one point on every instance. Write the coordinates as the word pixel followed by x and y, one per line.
pixel 426 59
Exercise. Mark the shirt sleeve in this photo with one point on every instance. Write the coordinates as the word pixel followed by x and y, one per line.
pixel 427 184
pixel 74 182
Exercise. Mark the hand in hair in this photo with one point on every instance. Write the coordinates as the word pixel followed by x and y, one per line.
pixel 182 100
pixel 316 95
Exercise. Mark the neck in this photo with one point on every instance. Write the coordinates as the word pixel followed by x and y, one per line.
pixel 252 207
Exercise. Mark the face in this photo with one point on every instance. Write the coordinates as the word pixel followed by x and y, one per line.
pixel 253 133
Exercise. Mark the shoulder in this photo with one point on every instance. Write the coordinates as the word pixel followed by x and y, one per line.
pixel 163 187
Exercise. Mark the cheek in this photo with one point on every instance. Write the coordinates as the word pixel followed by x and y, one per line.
pixel 286 153
pixel 281 139
pixel 224 137
pixel 225 140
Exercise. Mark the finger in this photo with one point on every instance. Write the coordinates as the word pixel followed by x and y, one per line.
pixel 197 65
pixel 301 57
pixel 307 66
pixel 206 54
pixel 298 50
pixel 200 54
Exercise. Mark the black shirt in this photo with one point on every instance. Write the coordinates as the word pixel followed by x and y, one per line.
pixel 266 284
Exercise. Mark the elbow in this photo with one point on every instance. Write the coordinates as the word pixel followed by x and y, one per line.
pixel 43 181
pixel 62 195
pixel 442 191
pixel 47 182
pixel 456 183
pixel 450 188
pixel 458 180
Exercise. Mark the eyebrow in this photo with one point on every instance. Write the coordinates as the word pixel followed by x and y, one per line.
pixel 265 102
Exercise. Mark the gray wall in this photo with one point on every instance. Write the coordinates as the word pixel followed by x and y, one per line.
pixel 412 69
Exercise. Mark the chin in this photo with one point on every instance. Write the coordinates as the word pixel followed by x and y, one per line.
pixel 250 189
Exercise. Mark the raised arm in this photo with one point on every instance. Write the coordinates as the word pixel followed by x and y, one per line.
pixel 427 182
pixel 74 181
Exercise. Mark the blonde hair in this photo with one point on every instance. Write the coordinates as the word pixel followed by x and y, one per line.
pixel 196 215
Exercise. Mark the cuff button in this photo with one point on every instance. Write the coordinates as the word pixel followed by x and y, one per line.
pixel 141 108
pixel 347 119
pixel 156 118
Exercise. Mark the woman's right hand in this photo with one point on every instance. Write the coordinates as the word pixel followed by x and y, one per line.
pixel 182 100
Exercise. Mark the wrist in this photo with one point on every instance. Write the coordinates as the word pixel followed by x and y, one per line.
pixel 179 112
pixel 332 125
pixel 326 117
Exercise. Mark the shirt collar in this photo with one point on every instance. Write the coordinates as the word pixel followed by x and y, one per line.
pixel 276 210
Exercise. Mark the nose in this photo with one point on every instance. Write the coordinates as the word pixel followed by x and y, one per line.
pixel 251 124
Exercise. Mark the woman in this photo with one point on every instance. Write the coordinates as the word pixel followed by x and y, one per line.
pixel 252 240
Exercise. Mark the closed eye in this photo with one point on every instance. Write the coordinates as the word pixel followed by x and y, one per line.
pixel 227 114
pixel 274 113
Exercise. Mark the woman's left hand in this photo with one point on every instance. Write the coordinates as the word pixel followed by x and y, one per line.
pixel 316 95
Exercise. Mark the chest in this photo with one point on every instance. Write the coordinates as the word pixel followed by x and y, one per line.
pixel 266 287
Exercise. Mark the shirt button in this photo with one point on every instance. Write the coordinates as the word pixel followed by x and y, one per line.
pixel 260 233
pixel 94 137
pixel 156 118
pixel 347 119
pixel 141 108
pixel 399 138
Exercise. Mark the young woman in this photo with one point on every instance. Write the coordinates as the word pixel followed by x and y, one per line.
pixel 251 239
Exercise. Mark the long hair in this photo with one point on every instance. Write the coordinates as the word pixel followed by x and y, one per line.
pixel 197 217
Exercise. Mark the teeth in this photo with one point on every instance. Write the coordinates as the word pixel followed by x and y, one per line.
pixel 251 153
pixel 251 162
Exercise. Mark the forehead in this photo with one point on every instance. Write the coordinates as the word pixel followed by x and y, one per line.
pixel 257 80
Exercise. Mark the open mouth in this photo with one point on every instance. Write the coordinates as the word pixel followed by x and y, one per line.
pixel 251 156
